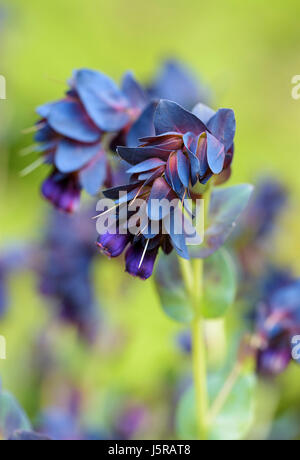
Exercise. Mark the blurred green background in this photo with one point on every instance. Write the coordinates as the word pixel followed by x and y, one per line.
pixel 247 52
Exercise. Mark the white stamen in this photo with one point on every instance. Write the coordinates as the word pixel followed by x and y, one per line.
pixel 27 150
pixel 105 212
pixel 33 129
pixel 32 167
pixel 144 253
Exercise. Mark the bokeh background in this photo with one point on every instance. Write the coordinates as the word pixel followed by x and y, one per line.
pixel 247 53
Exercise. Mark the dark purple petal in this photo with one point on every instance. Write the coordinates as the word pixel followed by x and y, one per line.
pixel 222 125
pixel 113 193
pixel 134 92
pixel 62 191
pixel 138 266
pixel 170 141
pixel 136 155
pixel 160 190
pixel 178 239
pixel 147 165
pixel 171 117
pixel 69 119
pixel 45 134
pixel 183 165
pixel 215 154
pixel 112 245
pixel 144 126
pixel 202 154
pixel 71 156
pixel 190 142
pixel 94 175
pixel 272 362
pixel 172 175
pixel 203 112
pixel 102 99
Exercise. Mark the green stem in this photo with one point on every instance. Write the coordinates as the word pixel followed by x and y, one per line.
pixel 192 274
pixel 199 352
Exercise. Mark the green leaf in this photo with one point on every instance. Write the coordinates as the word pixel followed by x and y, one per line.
pixel 235 418
pixel 12 416
pixel 220 284
pixel 226 206
pixel 175 304
pixel 170 288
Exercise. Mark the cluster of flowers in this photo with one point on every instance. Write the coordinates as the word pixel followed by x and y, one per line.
pixel 76 134
pixel 172 152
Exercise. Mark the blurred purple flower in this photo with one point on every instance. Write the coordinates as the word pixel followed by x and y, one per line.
pixel 267 203
pixel 252 237
pixel 65 270
pixel 129 422
pixel 13 258
pixel 176 82
pixel 278 320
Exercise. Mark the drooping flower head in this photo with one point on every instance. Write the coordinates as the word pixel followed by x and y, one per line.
pixel 192 147
pixel 252 239
pixel 65 270
pixel 182 152
pixel 278 320
pixel 72 131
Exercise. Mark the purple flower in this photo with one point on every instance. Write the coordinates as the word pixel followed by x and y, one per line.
pixel 251 238
pixel 167 166
pixel 277 322
pixel 129 422
pixel 177 83
pixel 267 203
pixel 65 270
pixel 188 147
pixel 71 131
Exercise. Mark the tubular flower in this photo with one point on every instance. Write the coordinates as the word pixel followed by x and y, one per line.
pixel 277 322
pixel 71 131
pixel 166 167
pixel 192 147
